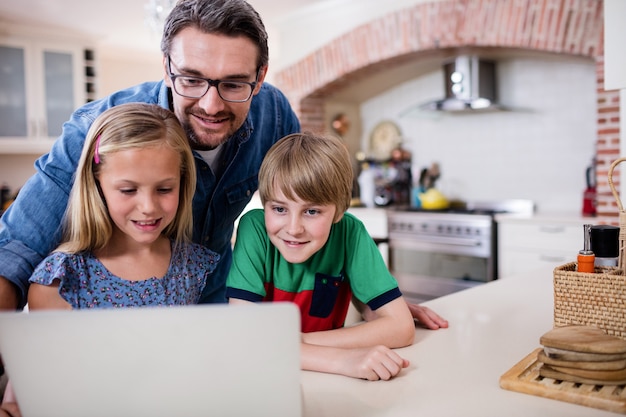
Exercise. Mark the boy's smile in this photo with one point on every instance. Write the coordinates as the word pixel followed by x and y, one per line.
pixel 298 228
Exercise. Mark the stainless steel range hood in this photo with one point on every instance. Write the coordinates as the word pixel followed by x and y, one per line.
pixel 470 84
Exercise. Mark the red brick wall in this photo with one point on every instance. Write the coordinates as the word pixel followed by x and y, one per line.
pixel 573 27
pixel 608 142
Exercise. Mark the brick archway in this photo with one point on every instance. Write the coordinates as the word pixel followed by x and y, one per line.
pixel 573 27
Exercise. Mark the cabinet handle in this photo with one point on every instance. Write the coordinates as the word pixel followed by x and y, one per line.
pixel 548 258
pixel 552 229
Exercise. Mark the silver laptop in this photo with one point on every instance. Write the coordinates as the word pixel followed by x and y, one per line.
pixel 207 360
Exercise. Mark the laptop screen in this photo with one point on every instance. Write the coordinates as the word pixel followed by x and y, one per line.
pixel 167 361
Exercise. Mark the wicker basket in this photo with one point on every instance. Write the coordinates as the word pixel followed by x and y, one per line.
pixel 597 299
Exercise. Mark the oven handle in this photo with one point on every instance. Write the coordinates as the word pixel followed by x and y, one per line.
pixel 393 241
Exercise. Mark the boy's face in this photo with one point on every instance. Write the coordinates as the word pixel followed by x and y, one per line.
pixel 297 228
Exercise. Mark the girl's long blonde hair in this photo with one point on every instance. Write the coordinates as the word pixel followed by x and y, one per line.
pixel 87 225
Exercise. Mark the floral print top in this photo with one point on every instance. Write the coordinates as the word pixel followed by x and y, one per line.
pixel 86 283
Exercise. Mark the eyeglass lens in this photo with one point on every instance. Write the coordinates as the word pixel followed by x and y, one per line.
pixel 197 87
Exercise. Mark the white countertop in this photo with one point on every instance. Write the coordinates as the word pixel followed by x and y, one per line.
pixel 456 371
pixel 556 218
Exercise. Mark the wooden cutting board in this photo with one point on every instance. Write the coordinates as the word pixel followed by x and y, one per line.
pixel 608 365
pixel 583 339
pixel 524 377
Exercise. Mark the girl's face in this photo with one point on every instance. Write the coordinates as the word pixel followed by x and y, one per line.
pixel 141 188
pixel 297 228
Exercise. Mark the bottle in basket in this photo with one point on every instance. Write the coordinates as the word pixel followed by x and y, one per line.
pixel 586 257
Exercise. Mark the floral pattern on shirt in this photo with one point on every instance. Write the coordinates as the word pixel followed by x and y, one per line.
pixel 86 283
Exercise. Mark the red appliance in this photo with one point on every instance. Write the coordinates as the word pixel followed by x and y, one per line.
pixel 589 196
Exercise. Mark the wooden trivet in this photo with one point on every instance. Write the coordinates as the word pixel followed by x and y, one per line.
pixel 524 377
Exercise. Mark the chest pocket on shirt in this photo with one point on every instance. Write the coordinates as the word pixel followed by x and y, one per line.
pixel 325 294
pixel 242 192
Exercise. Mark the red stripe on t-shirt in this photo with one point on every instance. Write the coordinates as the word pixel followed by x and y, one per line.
pixel 303 299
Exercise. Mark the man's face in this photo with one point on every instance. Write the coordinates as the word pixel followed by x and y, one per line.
pixel 209 120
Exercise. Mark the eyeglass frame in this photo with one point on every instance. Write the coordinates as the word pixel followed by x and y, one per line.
pixel 211 83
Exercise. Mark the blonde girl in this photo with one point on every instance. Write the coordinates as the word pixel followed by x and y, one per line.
pixel 128 225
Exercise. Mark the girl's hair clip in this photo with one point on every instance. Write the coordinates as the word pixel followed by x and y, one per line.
pixel 96 155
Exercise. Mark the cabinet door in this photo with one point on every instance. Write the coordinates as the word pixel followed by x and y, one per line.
pixel 520 261
pixel 529 246
pixel 40 86
pixel 540 236
pixel 13 111
pixel 61 74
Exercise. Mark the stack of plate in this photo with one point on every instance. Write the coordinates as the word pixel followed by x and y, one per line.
pixel 583 354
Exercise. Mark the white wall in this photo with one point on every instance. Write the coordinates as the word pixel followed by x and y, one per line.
pixel 298 34
pixel 116 73
pixel 538 151
pixel 614 32
pixel 615 65
pixel 16 169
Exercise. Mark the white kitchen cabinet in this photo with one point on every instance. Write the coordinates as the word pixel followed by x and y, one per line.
pixel 41 84
pixel 530 244
pixel 375 222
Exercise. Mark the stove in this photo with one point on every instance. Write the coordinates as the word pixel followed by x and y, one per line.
pixel 433 253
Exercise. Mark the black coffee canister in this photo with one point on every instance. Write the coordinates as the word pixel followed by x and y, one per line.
pixel 605 244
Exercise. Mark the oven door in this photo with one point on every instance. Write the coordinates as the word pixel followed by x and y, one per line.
pixel 431 268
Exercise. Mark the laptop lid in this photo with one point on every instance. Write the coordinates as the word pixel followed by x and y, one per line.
pixel 188 361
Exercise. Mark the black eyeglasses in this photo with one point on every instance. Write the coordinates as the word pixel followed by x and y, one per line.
pixel 197 87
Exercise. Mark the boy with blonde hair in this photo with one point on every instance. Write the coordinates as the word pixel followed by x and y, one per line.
pixel 304 248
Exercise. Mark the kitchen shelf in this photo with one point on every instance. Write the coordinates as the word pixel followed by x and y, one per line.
pixel 25 146
pixel 48 77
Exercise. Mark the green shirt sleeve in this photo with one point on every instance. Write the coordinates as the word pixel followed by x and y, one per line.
pixel 250 256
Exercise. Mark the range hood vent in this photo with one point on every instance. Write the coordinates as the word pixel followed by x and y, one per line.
pixel 470 84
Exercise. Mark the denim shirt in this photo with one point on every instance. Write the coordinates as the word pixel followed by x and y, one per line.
pixel 31 226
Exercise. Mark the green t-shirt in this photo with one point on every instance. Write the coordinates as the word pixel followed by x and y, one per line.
pixel 322 286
